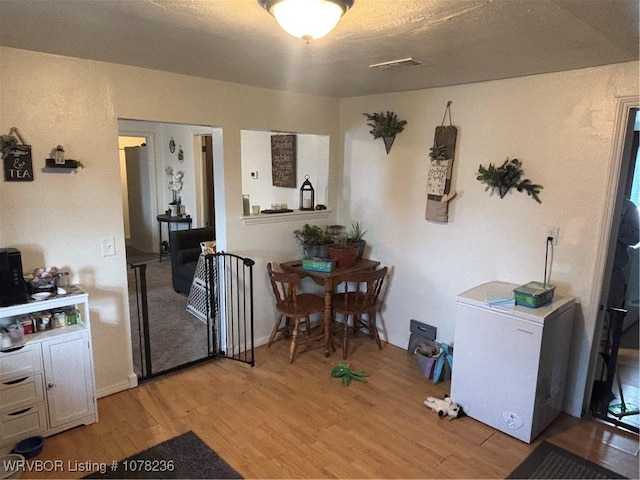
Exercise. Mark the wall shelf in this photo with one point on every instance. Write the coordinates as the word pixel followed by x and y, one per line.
pixel 296 215
pixel 68 164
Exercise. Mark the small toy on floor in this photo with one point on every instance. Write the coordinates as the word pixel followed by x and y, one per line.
pixel 343 370
pixel 444 407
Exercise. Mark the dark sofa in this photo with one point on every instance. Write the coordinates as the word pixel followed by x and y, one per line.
pixel 184 246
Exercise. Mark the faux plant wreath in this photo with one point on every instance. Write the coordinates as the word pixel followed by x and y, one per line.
pixel 507 176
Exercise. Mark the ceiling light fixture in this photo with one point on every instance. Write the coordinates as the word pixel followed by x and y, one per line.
pixel 307 19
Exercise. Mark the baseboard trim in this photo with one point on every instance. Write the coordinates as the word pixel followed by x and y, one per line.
pixel 116 388
pixel 133 380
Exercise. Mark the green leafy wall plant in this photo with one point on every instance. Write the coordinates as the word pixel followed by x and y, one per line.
pixel 506 176
pixel 384 125
pixel 438 152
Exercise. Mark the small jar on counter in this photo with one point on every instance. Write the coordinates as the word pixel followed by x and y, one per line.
pixel 43 320
pixel 59 320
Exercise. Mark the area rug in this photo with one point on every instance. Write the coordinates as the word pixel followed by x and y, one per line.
pixel 184 456
pixel 550 461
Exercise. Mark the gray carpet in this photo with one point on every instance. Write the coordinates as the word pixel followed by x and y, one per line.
pixel 138 256
pixel 550 461
pixel 176 336
pixel 184 456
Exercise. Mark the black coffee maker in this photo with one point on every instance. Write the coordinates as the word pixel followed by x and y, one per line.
pixel 13 289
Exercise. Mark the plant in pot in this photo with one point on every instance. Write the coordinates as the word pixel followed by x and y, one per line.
pixel 386 126
pixel 344 252
pixel 355 236
pixel 314 240
pixel 175 187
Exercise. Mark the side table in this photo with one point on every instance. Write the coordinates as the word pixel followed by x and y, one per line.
pixel 168 219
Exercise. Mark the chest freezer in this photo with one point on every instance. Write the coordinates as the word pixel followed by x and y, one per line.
pixel 510 361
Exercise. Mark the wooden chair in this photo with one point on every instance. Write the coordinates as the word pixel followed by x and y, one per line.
pixel 294 306
pixel 361 296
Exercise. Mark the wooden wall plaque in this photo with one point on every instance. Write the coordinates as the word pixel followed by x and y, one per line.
pixel 283 160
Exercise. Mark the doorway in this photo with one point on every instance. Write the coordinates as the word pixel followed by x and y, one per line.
pixel 165 335
pixel 209 207
pixel 135 172
pixel 616 389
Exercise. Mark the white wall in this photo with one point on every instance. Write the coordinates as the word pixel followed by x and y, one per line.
pixel 560 125
pixel 60 219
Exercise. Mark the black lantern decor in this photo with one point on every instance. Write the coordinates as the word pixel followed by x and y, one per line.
pixel 307 195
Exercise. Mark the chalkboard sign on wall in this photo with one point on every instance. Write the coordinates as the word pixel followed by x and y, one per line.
pixel 283 160
pixel 18 166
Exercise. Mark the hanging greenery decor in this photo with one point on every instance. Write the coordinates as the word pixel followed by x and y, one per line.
pixel 438 152
pixel 383 125
pixel 507 176
pixel 386 126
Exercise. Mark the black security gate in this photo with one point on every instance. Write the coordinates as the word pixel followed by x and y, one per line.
pixel 217 317
pixel 605 404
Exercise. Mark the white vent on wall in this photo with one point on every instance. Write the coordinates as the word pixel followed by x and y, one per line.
pixel 403 62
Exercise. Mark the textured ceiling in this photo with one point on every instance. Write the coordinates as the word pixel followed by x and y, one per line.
pixel 456 41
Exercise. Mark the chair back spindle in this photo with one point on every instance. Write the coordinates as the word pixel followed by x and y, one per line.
pixel 362 289
pixel 294 309
pixel 285 289
pixel 360 300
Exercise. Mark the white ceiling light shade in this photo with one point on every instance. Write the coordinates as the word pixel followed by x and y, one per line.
pixel 307 19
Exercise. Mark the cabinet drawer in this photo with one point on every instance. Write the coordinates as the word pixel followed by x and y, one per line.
pixel 20 363
pixel 21 393
pixel 22 424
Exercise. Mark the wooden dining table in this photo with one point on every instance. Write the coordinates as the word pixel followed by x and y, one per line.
pixel 327 280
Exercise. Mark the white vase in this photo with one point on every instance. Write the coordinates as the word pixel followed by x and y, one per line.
pixel 174 210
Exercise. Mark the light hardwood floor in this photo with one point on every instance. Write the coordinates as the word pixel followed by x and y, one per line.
pixel 281 420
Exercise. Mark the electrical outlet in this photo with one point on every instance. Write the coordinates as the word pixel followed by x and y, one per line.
pixel 553 232
pixel 108 246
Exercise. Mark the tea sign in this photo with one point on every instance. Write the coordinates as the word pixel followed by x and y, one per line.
pixel 18 166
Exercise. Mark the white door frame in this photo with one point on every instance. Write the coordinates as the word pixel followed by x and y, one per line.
pixel 610 223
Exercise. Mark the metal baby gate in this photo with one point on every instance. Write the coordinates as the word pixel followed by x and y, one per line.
pixel 221 299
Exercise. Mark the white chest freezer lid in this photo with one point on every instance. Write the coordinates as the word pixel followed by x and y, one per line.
pixel 482 295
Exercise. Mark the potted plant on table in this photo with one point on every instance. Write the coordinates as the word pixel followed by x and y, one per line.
pixel 344 252
pixel 175 187
pixel 314 240
pixel 355 236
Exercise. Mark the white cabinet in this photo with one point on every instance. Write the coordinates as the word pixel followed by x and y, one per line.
pixel 47 382
pixel 68 379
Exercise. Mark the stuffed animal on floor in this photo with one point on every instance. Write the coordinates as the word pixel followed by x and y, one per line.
pixel 444 407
